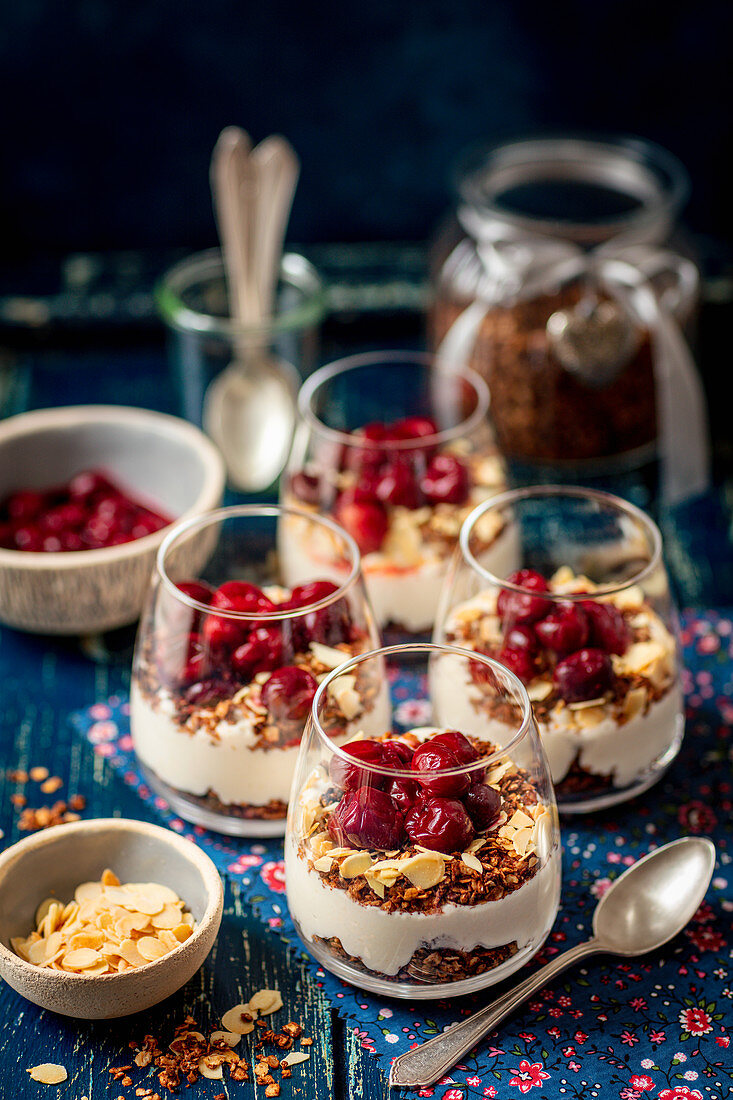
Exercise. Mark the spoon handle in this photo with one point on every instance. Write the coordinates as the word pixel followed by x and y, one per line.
pixel 427 1063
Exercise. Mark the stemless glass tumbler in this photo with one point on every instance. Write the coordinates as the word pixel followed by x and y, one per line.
pixel 573 597
pixel 426 862
pixel 398 450
pixel 227 663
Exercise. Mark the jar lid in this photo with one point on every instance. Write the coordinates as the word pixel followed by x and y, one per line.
pixel 584 190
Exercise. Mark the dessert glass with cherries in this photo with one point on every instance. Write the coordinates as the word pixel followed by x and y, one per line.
pixel 228 660
pixel 583 615
pixel 398 450
pixel 423 861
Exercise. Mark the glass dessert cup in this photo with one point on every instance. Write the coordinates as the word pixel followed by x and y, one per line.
pixel 398 450
pixel 227 662
pixel 584 616
pixel 423 864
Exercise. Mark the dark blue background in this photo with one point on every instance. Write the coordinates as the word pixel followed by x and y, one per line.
pixel 111 109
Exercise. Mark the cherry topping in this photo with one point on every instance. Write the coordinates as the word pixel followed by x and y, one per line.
pixel 288 694
pixel 398 484
pixel 350 776
pixel 28 537
pixel 24 505
pixel 445 480
pixel 397 754
pixel 440 824
pixel 519 661
pixel 211 689
pixel 89 482
pixel 483 804
pixel 587 674
pixel 241 596
pixel 564 630
pixel 196 590
pixel 459 745
pixel 366 818
pixel 262 652
pixel 306 487
pixel 514 607
pixel 404 793
pixel 608 629
pixel 221 635
pixel 366 522
pixel 431 757
pixel 413 427
pixel 305 594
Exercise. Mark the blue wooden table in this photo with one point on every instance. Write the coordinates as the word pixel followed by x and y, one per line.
pixel 45 681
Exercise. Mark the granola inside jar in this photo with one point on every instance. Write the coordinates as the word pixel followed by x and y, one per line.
pixel 551 283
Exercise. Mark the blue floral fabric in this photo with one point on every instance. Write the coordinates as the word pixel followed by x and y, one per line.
pixel 659 1026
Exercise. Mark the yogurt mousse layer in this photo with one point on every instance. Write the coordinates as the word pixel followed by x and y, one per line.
pixel 406 539
pixel 437 889
pixel 226 733
pixel 605 690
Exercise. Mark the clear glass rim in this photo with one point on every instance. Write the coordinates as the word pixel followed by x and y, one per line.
pixel 429 648
pixel 512 496
pixel 238 511
pixel 295 270
pixel 367 359
pixel 627 164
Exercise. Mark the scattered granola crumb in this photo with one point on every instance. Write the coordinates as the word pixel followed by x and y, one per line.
pixel 55 783
pixel 18 799
pixel 38 774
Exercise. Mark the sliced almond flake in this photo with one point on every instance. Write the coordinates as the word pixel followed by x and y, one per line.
pixel 635 702
pixel 266 1001
pixel 37 953
pixel 327 655
pixel 211 1073
pixel 387 878
pixel 82 958
pixel 231 1038
pixel 87 890
pixel 129 952
pixel 109 878
pixel 522 839
pixel 591 717
pixel 167 938
pixel 92 938
pixel 48 1073
pixel 539 690
pixel 344 694
pixel 101 967
pixel 628 598
pixel 520 820
pixel 188 918
pixel 476 844
pixel 470 861
pixel 584 704
pixel 125 925
pixel 341 853
pixel 324 864
pixel 294 1058
pixel 52 919
pixel 424 870
pixel 43 909
pixel 498 771
pixel 375 884
pixel 355 865
pixel 151 948
pixel 387 865
pixel 182 932
pixel 321 844
pixel 232 1020
pixel 432 852
pixel 639 656
pixel 168 917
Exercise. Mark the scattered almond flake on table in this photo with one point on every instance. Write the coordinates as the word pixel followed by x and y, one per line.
pixel 48 1073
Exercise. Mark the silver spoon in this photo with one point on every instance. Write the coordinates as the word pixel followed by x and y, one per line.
pixel 249 409
pixel 594 340
pixel 643 909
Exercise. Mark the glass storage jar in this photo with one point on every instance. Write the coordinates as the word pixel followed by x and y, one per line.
pixel 558 288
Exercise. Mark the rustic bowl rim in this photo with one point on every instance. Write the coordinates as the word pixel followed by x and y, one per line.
pixel 203 864
pixel 37 421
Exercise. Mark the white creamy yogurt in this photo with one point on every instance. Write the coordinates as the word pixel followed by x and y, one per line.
pixel 385 942
pixel 232 765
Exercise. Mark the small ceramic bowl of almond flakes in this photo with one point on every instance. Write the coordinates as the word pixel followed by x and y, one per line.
pixel 100 919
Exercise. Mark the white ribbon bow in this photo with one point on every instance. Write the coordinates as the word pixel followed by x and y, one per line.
pixel 516 265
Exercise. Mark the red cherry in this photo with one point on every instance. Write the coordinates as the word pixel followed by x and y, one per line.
pixel 430 758
pixel 350 776
pixel 64 517
pixel 608 629
pixel 365 452
pixel 518 661
pixel 303 595
pixel 262 652
pixel 483 804
pixel 587 674
pixel 413 427
pixel 146 524
pixel 397 755
pixel 221 635
pixel 306 487
pixel 366 818
pixel 564 630
pixel 288 694
pixel 459 745
pixel 513 607
pixel 365 522
pixel 212 689
pixel 7 536
pixel 440 824
pixel 52 544
pixel 398 485
pixel 25 505
pixel 404 793
pixel 196 590
pixel 241 596
pixel 87 483
pixel 28 537
pixel 445 481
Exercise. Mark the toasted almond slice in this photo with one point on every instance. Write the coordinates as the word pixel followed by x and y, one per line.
pixel 189 919
pixel 424 870
pixel 37 953
pixel 323 863
pixel 109 878
pixel 355 864
pixel 102 967
pixel 80 959
pixel 473 864
pixel 210 1072
pixel 182 932
pixel 519 820
pixel 43 909
pixel 131 922
pixel 635 702
pixel 294 1058
pixel 48 1073
pixel 539 690
pixel 20 947
pixel 375 884
pixel 231 1038
pixel 151 948
pixel 87 890
pixel 52 919
pixel 266 1001
pixel 54 942
pixel 232 1020
pixel 110 950
pixel 327 655
pixel 92 938
pixel 129 952
pixel 522 839
pixel 168 940
pixel 168 917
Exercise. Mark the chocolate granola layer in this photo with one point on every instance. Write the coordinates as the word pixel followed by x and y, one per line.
pixel 431 964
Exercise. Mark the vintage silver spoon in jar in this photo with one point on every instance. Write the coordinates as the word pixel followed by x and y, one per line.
pixel 643 909
pixel 249 409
